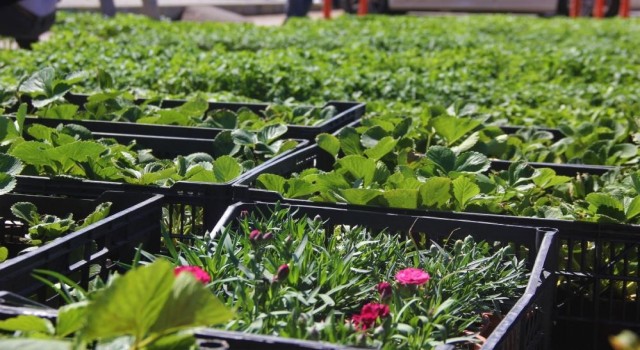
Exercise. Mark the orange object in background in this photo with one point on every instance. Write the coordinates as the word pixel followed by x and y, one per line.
pixel 574 8
pixel 363 6
pixel 598 9
pixel 327 6
pixel 625 8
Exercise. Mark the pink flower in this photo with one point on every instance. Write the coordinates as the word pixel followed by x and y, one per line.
pixel 200 274
pixel 384 288
pixel 412 276
pixel 267 236
pixel 369 314
pixel 254 235
pixel 283 273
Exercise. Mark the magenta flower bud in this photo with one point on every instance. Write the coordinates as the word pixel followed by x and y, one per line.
pixel 384 288
pixel 254 235
pixel 283 273
pixel 267 236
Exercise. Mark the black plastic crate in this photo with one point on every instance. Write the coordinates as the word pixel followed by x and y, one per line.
pixel 612 245
pixel 526 325
pixel 347 112
pixel 134 220
pixel 190 206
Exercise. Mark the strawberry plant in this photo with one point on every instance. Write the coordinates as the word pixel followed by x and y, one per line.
pixel 71 150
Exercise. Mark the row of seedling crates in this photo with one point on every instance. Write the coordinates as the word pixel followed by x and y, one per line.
pixel 564 305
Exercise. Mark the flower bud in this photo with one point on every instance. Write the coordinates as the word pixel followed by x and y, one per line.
pixel 244 213
pixel 267 236
pixel 254 235
pixel 384 289
pixel 283 273
pixel 317 218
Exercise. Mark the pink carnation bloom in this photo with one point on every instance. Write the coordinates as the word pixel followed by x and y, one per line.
pixel 200 274
pixel 369 315
pixel 412 276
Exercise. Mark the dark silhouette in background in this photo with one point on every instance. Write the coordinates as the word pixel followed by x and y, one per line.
pixel 25 20
pixel 298 8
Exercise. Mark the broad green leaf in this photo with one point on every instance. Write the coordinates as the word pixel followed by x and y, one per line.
pixel 360 196
pixel 195 107
pixel 202 172
pixel 7 183
pixel 464 190
pixel 71 318
pixel 34 344
pixel 606 205
pixel 243 137
pixel 47 231
pixel 452 128
pixel 78 151
pixel 8 131
pixel 297 188
pixel 442 157
pixel 226 168
pixel 21 115
pixel 634 208
pixel 359 167
pixel 402 198
pixel 271 132
pixel 271 182
pixel 132 303
pixel 223 119
pixel 79 131
pixel 169 117
pixel 199 157
pixel 4 253
pixel 32 152
pixel 28 323
pixel 435 192
pixel 40 82
pixel 520 172
pixel 372 136
pixel 42 133
pixel 382 148
pixel 472 162
pixel 105 80
pixel 546 178
pixel 223 144
pixel 467 144
pixel 10 165
pixel 402 128
pixel 350 141
pixel 65 111
pixel 190 304
pixel 603 200
pixel 329 143
pixel 624 150
pixel 26 211
pixel 101 212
